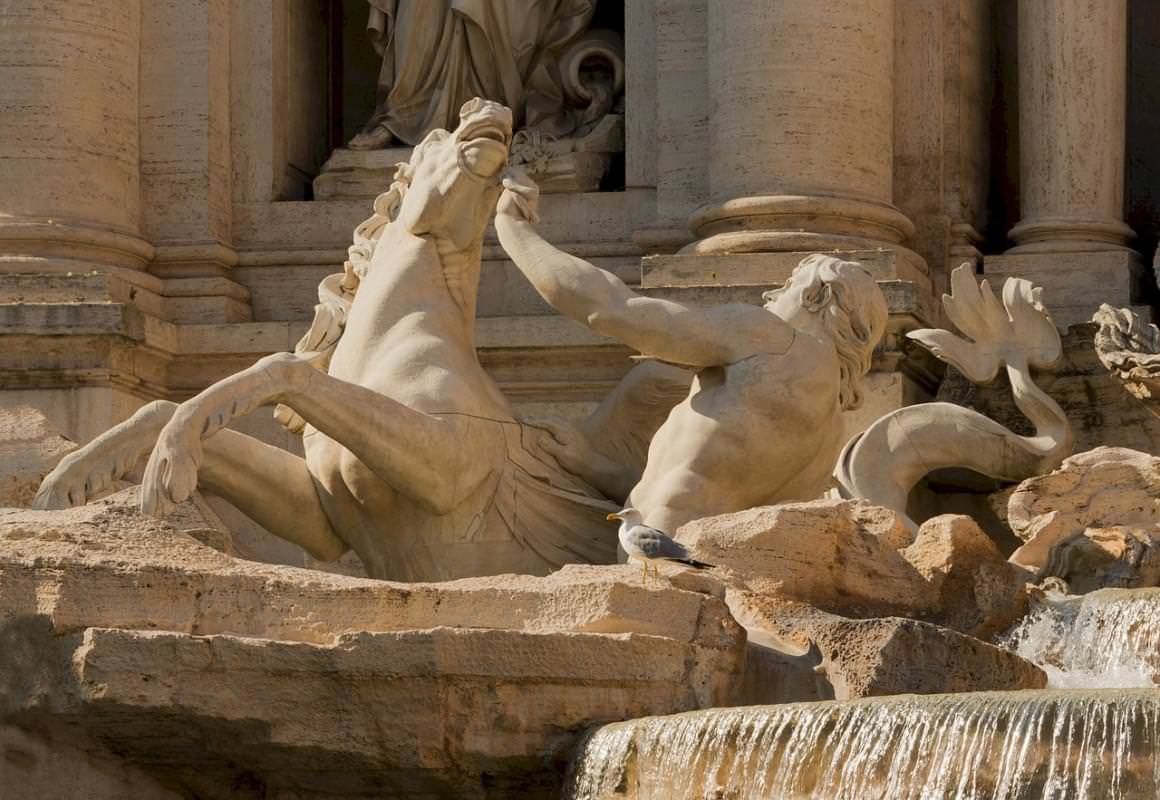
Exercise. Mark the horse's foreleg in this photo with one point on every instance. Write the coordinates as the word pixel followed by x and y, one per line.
pixel 272 487
pixel 431 459
pixel 269 485
pixel 93 468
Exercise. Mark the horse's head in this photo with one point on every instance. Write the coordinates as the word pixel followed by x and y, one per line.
pixel 453 179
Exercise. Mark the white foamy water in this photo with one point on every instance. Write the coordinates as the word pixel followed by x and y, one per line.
pixel 1105 639
pixel 1063 745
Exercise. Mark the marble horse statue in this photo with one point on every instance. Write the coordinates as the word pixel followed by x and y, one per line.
pixel 413 457
pixel 885 462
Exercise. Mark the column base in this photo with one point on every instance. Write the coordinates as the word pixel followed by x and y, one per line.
pixel 803 224
pixel 1074 284
pixel 197 283
pixel 27 242
pixel 1070 236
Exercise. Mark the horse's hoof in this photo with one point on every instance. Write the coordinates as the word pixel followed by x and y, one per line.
pixel 64 487
pixel 156 499
pixel 171 474
pixel 52 496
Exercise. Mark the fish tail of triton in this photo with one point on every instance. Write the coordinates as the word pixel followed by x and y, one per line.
pixel 694 563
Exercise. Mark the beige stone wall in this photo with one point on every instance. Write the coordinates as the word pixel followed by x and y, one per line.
pixel 168 146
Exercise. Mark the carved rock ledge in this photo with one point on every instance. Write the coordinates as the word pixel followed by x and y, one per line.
pixel 121 634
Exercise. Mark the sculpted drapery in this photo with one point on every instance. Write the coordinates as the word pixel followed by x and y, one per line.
pixel 439 53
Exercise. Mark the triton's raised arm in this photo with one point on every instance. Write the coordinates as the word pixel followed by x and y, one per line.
pixel 662 328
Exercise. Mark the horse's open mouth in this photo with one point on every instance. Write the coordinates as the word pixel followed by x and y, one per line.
pixel 486 130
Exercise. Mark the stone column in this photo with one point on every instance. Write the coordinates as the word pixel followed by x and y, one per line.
pixel 69 136
pixel 72 258
pixel 801 129
pixel 1071 239
pixel 1072 107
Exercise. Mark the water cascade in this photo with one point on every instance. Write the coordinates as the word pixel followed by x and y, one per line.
pixel 1106 639
pixel 1081 744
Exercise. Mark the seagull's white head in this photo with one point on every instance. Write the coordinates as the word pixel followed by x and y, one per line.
pixel 627 514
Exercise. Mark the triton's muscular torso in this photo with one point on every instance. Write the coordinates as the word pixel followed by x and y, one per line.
pixel 762 430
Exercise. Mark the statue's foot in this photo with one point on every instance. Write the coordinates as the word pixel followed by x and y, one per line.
pixel 171 474
pixel 376 138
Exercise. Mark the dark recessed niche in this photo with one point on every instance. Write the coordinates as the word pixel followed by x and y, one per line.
pixel 355 66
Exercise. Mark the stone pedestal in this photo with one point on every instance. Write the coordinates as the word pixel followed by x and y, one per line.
pixel 556 165
pixel 801 129
pixel 1075 283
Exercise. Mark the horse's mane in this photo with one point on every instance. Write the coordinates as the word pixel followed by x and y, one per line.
pixel 336 292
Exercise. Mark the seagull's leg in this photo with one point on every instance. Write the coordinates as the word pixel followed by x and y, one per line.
pixel 643 572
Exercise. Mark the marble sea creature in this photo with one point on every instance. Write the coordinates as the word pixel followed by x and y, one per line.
pixel 413 457
pixel 885 462
pixel 1129 347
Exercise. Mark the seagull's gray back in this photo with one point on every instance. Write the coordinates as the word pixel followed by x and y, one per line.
pixel 648 542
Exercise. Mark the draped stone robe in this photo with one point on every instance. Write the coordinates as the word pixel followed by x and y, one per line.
pixel 437 54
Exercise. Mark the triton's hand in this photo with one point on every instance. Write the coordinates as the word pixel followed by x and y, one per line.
pixel 520 198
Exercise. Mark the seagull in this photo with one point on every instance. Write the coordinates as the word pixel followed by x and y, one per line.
pixel 649 545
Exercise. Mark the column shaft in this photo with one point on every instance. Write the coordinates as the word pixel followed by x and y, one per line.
pixel 69 135
pixel 1072 107
pixel 801 127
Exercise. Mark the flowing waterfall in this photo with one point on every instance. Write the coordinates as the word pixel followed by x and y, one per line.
pixel 1086 745
pixel 1105 639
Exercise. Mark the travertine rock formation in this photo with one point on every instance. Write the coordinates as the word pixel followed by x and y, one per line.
pixel 974 589
pixel 839 555
pixel 1124 557
pixel 215 673
pixel 32 768
pixel 886 655
pixel 1093 522
pixel 851 558
pixel 29 447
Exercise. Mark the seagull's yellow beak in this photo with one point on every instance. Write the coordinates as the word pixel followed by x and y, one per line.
pixel 613 515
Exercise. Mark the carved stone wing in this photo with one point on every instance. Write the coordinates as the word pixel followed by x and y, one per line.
pixel 1015 332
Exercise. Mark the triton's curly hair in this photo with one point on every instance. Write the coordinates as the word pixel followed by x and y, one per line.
pixel 854 312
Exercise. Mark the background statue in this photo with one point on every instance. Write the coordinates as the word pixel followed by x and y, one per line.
pixel 413 457
pixel 437 54
pixel 762 421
